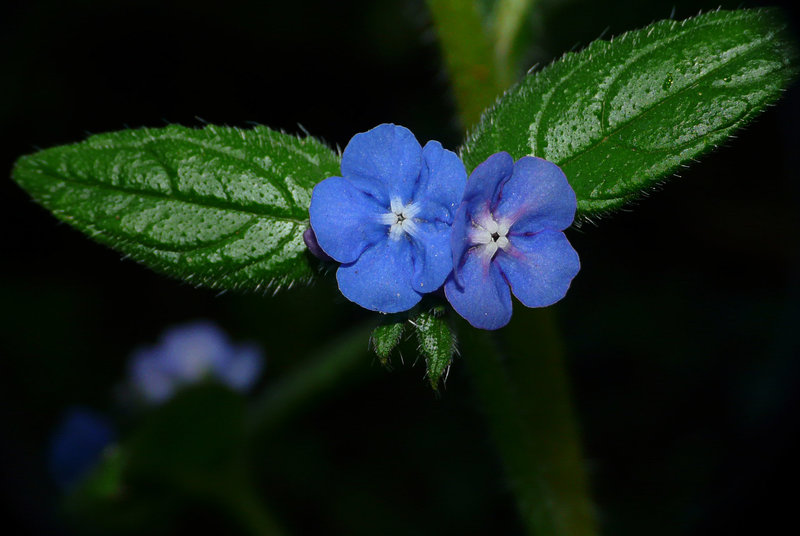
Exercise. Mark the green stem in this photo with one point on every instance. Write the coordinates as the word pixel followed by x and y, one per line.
pixel 324 371
pixel 520 380
pixel 525 392
pixel 468 55
pixel 509 17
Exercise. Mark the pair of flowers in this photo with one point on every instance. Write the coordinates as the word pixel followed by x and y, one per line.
pixel 403 220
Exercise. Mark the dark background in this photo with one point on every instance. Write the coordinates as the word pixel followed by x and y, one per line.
pixel 681 326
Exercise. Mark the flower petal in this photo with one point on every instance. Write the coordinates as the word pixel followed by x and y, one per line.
pixel 77 445
pixel 380 280
pixel 536 197
pixel 441 185
pixel 459 240
pixel 244 368
pixel 486 180
pixel 384 162
pixel 433 259
pixel 344 219
pixel 484 299
pixel 192 351
pixel 148 377
pixel 539 268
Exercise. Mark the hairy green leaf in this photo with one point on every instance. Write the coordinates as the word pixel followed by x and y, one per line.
pixel 386 337
pixel 436 343
pixel 219 206
pixel 622 114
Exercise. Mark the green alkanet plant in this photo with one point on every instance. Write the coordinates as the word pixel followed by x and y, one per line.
pixel 256 210
pixel 227 208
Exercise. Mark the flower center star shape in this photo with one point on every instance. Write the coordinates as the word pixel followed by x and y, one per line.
pixel 401 218
pixel 489 236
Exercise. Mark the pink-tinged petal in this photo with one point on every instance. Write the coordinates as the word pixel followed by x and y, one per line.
pixel 539 267
pixel 536 197
pixel 484 300
pixel 345 220
pixel 384 162
pixel 380 280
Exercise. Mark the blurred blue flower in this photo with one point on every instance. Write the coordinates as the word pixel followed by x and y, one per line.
pixel 190 354
pixel 507 232
pixel 387 218
pixel 77 445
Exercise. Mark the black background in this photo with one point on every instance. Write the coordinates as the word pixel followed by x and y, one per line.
pixel 681 326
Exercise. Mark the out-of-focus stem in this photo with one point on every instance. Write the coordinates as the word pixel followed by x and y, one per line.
pixel 508 18
pixel 468 54
pixel 328 369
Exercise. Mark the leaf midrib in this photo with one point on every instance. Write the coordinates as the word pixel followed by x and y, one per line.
pixel 169 198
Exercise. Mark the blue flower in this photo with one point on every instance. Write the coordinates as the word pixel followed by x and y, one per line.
pixel 190 354
pixel 78 444
pixel 507 232
pixel 387 218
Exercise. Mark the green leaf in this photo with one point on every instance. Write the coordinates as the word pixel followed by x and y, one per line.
pixel 621 115
pixel 219 206
pixel 386 337
pixel 436 343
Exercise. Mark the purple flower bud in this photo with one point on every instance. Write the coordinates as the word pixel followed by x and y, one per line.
pixel 310 238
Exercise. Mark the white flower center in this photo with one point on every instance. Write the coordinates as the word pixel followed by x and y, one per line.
pixel 400 218
pixel 489 235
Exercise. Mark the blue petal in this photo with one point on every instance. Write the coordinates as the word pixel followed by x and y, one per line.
pixel 487 179
pixel 384 162
pixel 345 219
pixel 244 368
pixel 433 260
pixel 442 183
pixel 484 300
pixel 380 280
pixel 539 268
pixel 149 378
pixel 192 351
pixel 459 239
pixel 77 445
pixel 537 197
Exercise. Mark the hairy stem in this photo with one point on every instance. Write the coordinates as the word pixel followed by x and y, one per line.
pixel 519 374
pixel 521 382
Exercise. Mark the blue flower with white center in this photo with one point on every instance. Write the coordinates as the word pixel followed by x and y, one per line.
pixel 78 444
pixel 507 233
pixel 387 218
pixel 190 354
